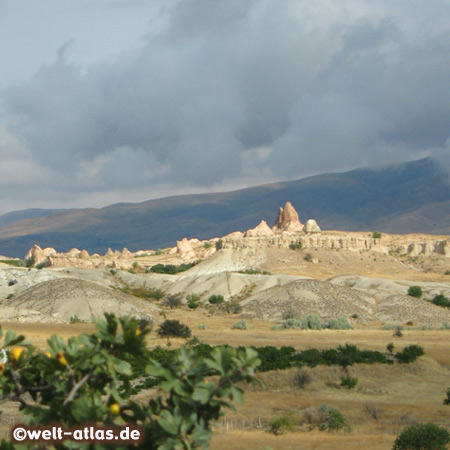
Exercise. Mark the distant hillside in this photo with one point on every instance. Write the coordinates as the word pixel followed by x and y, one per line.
pixel 407 198
pixel 16 216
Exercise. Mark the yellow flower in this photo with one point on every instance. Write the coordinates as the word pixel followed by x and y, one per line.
pixel 15 353
pixel 61 358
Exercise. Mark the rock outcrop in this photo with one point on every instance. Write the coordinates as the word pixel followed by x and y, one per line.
pixel 312 227
pixel 287 220
pixel 261 230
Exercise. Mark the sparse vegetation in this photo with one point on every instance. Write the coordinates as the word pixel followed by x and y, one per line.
pixel 30 262
pixel 349 382
pixel 295 245
pixel 173 300
pixel 231 307
pixel 254 272
pixel 422 437
pixel 415 291
pixel 308 257
pixel 390 347
pixel 280 424
pixel 208 245
pixel 171 269
pixel 240 325
pixel 313 322
pixel 75 319
pixel 331 419
pixel 376 235
pixel 302 378
pixel 143 292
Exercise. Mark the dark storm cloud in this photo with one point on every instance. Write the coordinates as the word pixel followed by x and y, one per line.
pixel 244 90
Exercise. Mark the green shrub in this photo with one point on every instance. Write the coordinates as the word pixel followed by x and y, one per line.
pixel 447 272
pixel 193 300
pixel 349 382
pixel 280 424
pixel 332 419
pixel 341 323
pixel 441 300
pixel 216 299
pixel 295 245
pixel 240 325
pixel 376 235
pixel 415 291
pixel 231 307
pixel 447 400
pixel 390 347
pixel 174 328
pixel 308 257
pixel 201 326
pixel 143 292
pixel 158 252
pixel 208 245
pixel 409 354
pixel 171 269
pixel 31 261
pixel 75 319
pixel 302 378
pixel 422 437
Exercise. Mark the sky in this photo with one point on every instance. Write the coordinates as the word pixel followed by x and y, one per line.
pixel 109 101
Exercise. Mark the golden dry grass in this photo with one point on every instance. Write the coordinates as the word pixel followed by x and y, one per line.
pixel 402 394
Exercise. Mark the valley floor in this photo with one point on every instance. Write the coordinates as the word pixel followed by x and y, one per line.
pixel 398 395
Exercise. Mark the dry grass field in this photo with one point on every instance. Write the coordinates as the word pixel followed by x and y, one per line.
pixel 397 395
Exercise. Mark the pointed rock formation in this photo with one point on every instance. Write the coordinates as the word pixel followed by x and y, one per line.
pixel 184 246
pixel 261 230
pixel 287 220
pixel 37 253
pixel 312 227
pixel 83 255
pixel 109 252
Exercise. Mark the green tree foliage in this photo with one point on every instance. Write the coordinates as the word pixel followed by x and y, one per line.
pixel 441 300
pixel 376 235
pixel 174 328
pixel 171 269
pixel 216 299
pixel 86 381
pixel 409 354
pixel 280 424
pixel 427 436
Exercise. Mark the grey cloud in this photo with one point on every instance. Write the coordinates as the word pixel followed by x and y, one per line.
pixel 300 89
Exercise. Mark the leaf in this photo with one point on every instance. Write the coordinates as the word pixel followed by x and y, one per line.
pixel 169 422
pixel 12 339
pixel 121 366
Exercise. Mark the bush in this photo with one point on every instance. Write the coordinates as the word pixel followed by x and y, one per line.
pixel 415 291
pixel 216 299
pixel 31 261
pixel 422 437
pixel 398 331
pixel 390 347
pixel 302 378
pixel 86 381
pixel 349 382
pixel 441 300
pixel 171 269
pixel 376 235
pixel 279 424
pixel 232 307
pixel 201 326
pixel 143 292
pixel 308 257
pixel 240 325
pixel 447 272
pixel 174 328
pixel 409 354
pixel 332 419
pixel 193 301
pixel 295 245
pixel 173 300
pixel 341 323
pixel 75 319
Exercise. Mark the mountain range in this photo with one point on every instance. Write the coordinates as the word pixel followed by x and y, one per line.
pixel 412 197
